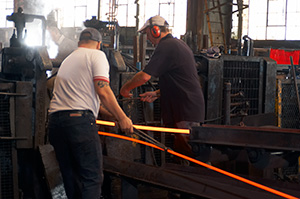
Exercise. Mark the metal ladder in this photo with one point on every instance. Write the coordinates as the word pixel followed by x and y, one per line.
pixel 215 27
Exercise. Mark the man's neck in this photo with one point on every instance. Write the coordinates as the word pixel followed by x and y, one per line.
pixel 163 34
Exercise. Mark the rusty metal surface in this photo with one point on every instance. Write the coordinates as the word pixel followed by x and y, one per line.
pixel 52 172
pixel 40 112
pixel 214 89
pixel 265 119
pixel 196 181
pixel 212 70
pixel 116 60
pixel 270 81
pixel 288 111
pixel 23 121
pixel 268 138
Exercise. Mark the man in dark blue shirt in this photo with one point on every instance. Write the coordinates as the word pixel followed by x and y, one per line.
pixel 182 102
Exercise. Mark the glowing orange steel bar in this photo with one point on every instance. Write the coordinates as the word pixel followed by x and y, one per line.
pixel 107 123
pixel 162 129
pixel 148 128
pixel 205 165
pixel 234 176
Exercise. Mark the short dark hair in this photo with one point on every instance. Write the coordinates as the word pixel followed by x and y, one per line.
pixel 164 28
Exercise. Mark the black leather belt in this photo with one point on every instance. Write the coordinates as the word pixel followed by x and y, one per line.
pixel 74 113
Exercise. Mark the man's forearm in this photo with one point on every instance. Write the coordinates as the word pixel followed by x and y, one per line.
pixel 105 114
pixel 110 102
pixel 139 79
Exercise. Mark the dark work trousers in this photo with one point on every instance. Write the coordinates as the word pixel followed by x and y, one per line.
pixel 76 142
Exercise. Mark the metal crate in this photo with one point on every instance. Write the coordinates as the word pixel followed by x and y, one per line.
pixel 246 77
pixel 288 111
pixel 254 76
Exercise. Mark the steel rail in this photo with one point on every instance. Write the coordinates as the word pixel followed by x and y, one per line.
pixel 260 186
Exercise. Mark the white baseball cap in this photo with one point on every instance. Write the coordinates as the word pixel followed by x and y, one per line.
pixel 156 20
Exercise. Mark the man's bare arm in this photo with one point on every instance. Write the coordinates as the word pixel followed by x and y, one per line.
pixel 109 100
pixel 139 79
pixel 105 114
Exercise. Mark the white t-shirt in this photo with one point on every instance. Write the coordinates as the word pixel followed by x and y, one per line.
pixel 74 84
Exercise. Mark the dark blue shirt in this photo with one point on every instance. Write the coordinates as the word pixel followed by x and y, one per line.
pixel 181 94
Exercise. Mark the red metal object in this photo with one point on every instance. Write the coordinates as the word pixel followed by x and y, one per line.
pixel 283 56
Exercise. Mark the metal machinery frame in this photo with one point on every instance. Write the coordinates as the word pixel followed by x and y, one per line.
pixel 252 80
pixel 23 111
pixel 288 115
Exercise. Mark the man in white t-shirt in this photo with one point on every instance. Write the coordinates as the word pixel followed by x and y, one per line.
pixel 82 83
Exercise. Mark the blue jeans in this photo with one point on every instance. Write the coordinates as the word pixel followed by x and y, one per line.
pixel 77 145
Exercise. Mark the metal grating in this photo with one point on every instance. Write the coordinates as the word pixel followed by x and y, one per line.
pixel 140 107
pixel 6 165
pixel 156 110
pixel 289 108
pixel 245 77
pixel 4 116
